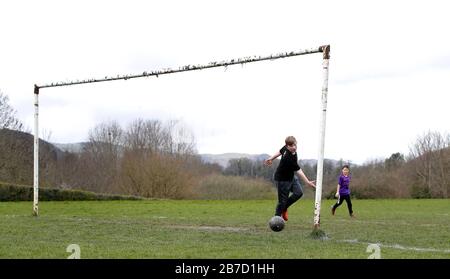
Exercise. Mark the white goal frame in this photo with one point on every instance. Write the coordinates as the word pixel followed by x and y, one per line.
pixel 325 49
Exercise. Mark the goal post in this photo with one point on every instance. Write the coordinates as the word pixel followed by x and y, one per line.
pixel 36 152
pixel 323 118
pixel 325 49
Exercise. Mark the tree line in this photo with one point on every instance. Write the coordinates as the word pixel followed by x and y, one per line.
pixel 148 158
pixel 151 158
pixel 423 173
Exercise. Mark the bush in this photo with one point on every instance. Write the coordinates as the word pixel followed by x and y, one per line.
pixel 156 176
pixel 420 192
pixel 11 192
pixel 373 192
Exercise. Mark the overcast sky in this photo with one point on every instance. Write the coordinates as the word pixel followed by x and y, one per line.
pixel 388 84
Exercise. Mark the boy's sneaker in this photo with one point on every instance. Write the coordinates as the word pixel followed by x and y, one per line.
pixel 284 214
pixel 333 210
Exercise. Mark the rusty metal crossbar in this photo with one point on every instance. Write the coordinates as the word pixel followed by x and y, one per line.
pixel 186 68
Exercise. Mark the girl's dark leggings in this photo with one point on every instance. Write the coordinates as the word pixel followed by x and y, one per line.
pixel 341 200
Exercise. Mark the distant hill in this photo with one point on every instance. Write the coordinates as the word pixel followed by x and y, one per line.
pixel 16 157
pixel 313 162
pixel 223 159
pixel 71 147
pixel 220 159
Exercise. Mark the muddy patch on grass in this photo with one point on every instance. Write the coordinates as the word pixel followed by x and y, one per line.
pixel 209 228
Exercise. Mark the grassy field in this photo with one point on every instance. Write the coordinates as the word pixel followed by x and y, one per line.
pixel 223 229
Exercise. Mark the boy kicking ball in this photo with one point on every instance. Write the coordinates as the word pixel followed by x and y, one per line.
pixel 285 178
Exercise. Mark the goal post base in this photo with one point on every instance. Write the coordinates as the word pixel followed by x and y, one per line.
pixel 317 233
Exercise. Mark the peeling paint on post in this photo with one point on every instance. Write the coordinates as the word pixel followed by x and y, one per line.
pixel 36 152
pixel 323 114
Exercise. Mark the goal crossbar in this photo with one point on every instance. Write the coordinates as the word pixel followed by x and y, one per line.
pixel 186 68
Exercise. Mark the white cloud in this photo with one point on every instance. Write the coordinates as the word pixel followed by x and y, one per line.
pixel 388 71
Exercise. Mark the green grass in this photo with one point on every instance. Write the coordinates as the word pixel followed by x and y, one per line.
pixel 223 229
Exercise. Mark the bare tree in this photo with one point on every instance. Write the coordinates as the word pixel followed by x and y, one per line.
pixel 156 161
pixel 180 140
pixel 106 138
pixel 240 167
pixel 146 136
pixel 46 134
pixel 101 157
pixel 155 136
pixel 150 158
pixel 431 155
pixel 154 175
pixel 8 117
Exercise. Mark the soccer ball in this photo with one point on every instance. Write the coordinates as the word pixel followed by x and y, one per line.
pixel 276 223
